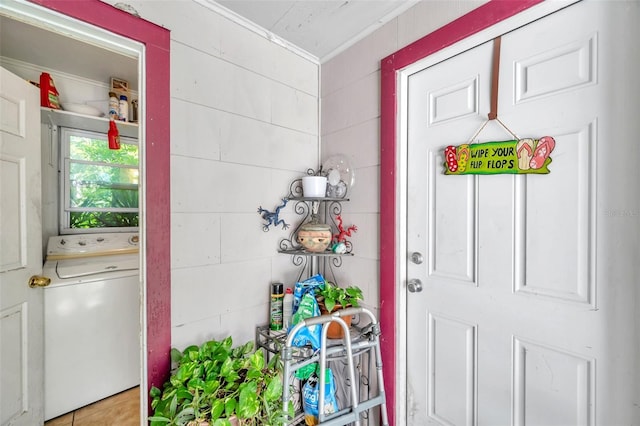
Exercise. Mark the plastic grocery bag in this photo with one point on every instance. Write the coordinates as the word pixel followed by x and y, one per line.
pixel 311 396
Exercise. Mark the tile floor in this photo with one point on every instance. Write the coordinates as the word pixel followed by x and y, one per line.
pixel 122 409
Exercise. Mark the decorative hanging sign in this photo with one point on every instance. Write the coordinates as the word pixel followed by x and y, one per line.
pixel 507 157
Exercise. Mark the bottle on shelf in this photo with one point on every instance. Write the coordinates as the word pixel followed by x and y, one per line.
pixel 48 92
pixel 113 135
pixel 114 106
pixel 275 314
pixel 287 308
pixel 123 109
pixel 134 111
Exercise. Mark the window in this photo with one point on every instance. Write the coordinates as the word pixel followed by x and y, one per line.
pixel 99 186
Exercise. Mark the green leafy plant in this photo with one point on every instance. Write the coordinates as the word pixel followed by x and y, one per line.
pixel 332 295
pixel 217 385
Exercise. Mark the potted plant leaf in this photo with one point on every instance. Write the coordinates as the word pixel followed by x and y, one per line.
pixel 331 298
pixel 217 385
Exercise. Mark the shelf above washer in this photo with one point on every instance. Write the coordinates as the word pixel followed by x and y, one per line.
pixel 74 120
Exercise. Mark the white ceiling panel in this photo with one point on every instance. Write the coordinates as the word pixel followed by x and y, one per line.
pixel 321 28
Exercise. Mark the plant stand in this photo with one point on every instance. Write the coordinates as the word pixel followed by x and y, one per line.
pixel 324 209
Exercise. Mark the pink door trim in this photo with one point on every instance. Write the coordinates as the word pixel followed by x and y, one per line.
pixel 475 21
pixel 157 212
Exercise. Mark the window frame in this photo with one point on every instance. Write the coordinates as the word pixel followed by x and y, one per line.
pixel 64 171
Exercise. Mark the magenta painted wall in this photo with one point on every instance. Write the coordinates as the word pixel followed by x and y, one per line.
pixel 483 17
pixel 157 212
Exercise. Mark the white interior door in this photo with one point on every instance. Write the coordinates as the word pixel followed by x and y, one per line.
pixel 21 307
pixel 527 314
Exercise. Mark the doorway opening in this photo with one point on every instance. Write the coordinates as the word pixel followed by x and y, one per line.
pixel 110 29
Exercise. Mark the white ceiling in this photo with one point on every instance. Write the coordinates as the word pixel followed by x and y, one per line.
pixel 321 28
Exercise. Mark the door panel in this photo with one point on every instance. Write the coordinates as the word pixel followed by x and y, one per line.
pixel 525 317
pixel 21 325
pixel 452 226
pixel 571 255
pixel 538 369
pixel 13 197
pixel 451 358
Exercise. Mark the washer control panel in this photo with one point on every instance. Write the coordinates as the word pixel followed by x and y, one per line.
pixel 80 245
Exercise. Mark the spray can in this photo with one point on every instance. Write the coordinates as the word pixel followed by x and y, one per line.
pixel 275 316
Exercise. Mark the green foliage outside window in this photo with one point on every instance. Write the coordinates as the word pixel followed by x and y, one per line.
pixel 102 186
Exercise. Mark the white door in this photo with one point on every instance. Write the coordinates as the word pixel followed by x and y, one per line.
pixel 21 307
pixel 529 283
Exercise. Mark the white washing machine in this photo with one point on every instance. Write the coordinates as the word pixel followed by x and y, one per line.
pixel 91 319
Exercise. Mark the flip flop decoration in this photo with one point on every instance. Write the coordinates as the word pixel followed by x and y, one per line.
pixel 523 156
pixel 463 157
pixel 452 159
pixel 524 150
pixel 543 149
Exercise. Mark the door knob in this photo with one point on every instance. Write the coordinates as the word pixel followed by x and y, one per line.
pixel 416 257
pixel 39 281
pixel 414 285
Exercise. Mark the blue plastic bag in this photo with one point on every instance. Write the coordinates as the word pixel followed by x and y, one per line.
pixel 311 396
pixel 307 335
pixel 304 287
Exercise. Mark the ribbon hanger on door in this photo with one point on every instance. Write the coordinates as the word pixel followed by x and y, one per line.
pixel 495 78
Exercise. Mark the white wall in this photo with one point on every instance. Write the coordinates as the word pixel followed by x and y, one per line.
pixel 350 99
pixel 244 123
